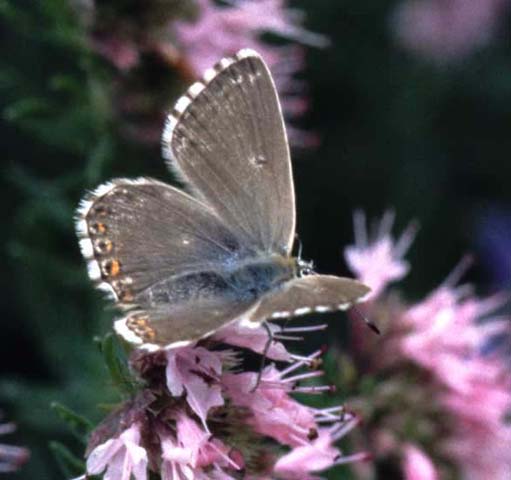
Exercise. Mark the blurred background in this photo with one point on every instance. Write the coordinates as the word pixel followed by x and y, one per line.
pixel 403 104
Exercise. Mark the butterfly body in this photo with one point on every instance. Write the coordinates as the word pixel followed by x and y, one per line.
pixel 245 282
pixel 257 277
pixel 184 264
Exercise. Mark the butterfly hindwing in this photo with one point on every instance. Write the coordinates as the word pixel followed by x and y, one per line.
pixel 180 324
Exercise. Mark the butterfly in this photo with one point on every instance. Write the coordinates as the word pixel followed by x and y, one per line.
pixel 183 264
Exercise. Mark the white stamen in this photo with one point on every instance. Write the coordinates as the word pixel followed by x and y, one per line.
pixel 458 271
pixel 313 389
pixel 405 240
pixel 278 336
pixel 309 328
pixel 303 376
pixel 360 228
pixel 356 457
pixel 343 429
pixel 386 224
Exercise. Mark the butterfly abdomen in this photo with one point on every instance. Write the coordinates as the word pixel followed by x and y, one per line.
pixel 183 289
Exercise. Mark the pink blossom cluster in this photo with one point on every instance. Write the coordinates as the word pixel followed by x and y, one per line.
pixel 11 457
pixel 240 25
pixel 201 416
pixel 191 46
pixel 445 337
pixel 447 30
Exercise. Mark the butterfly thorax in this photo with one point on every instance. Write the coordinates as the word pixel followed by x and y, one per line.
pixel 255 277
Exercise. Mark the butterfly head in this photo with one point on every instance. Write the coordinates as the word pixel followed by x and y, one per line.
pixel 304 267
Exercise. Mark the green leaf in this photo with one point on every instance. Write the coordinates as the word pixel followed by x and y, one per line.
pixel 78 424
pixel 100 155
pixel 70 465
pixel 117 364
pixel 25 107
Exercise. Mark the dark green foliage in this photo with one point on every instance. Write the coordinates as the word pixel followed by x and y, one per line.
pixel 117 365
pixel 69 464
pixel 79 425
pixel 55 122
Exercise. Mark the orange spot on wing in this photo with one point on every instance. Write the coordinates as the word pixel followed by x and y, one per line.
pixel 97 228
pixel 115 268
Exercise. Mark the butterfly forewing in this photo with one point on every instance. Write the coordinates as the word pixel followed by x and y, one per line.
pixel 138 234
pixel 313 293
pixel 227 140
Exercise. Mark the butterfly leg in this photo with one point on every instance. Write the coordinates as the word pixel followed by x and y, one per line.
pixel 265 353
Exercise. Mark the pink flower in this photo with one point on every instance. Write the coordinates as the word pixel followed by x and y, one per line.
pixel 445 335
pixel 317 455
pixel 199 379
pixel 479 413
pixel 192 450
pixel 121 52
pixel 121 457
pixel 417 465
pixel 446 30
pixel 175 460
pixel 196 371
pixel 198 415
pixel 204 450
pixel 378 261
pixel 255 339
pixel 11 457
pixel 219 31
pixel 446 338
pixel 438 348
pixel 274 412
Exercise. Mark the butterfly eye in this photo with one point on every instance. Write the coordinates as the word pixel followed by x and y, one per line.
pixel 305 268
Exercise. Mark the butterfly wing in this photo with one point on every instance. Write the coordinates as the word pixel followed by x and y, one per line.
pixel 176 325
pixel 135 234
pixel 313 293
pixel 226 139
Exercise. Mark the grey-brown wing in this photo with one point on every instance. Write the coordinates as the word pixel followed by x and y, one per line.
pixel 140 233
pixel 313 293
pixel 175 325
pixel 226 139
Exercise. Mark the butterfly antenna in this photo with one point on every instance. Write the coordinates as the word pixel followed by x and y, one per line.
pixel 265 354
pixel 300 246
pixel 368 322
